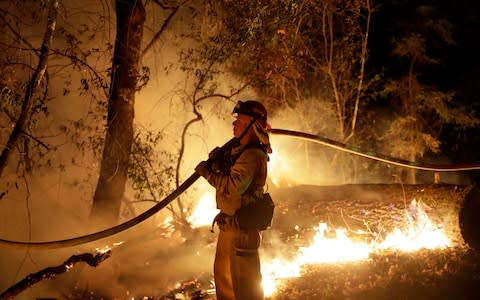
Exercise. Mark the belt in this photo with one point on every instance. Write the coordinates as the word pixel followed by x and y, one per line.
pixel 223 219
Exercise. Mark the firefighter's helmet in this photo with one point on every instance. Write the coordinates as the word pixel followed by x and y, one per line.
pixel 253 109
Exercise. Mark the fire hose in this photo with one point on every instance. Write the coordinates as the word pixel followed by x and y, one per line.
pixel 190 180
pixel 376 156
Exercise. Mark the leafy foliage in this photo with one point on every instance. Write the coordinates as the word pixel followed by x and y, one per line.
pixel 290 54
pixel 422 109
pixel 150 171
pixel 75 60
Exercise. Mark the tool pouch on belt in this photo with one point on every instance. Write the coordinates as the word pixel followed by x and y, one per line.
pixel 225 222
pixel 256 214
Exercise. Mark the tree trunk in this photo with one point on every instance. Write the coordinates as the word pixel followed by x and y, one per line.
pixel 119 137
pixel 35 80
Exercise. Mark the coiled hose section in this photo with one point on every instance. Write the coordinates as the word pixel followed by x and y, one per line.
pixel 188 182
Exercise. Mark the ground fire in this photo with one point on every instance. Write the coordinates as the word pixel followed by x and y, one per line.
pixel 415 231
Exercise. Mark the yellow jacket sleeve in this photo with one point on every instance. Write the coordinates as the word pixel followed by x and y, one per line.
pixel 248 172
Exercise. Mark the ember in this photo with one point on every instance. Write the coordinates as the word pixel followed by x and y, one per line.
pixel 107 248
pixel 201 288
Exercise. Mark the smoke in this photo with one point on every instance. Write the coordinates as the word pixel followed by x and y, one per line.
pixel 53 201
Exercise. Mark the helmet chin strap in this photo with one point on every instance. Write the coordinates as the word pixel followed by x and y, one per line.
pixel 246 129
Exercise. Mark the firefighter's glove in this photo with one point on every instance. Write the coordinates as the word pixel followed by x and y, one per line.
pixel 214 153
pixel 203 168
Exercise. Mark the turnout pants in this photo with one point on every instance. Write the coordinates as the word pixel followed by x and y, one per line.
pixel 237 266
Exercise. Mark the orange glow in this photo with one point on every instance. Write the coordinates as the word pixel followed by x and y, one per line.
pixel 204 212
pixel 277 167
pixel 107 248
pixel 418 232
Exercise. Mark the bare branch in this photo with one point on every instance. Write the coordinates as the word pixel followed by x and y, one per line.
pixel 363 60
pixel 37 77
pixel 164 6
pixel 159 33
pixel 12 118
pixel 52 272
pixel 18 35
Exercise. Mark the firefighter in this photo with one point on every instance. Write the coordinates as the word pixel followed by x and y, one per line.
pixel 237 263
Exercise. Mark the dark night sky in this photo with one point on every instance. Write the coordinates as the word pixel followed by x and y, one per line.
pixel 457 61
pixel 459 67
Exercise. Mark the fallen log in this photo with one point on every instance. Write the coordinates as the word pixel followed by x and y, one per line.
pixel 52 272
pixel 370 208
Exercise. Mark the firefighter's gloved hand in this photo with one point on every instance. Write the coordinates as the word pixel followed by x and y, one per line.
pixel 214 152
pixel 203 168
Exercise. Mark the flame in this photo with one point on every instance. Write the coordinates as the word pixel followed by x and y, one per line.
pixel 418 232
pixel 204 212
pixel 340 248
pixel 107 248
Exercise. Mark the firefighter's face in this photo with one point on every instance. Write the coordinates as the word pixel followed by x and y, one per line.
pixel 240 124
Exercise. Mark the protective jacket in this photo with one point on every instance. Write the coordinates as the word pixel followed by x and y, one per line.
pixel 237 264
pixel 247 178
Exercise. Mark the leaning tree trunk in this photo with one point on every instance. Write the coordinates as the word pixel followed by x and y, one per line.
pixel 119 136
pixel 35 80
